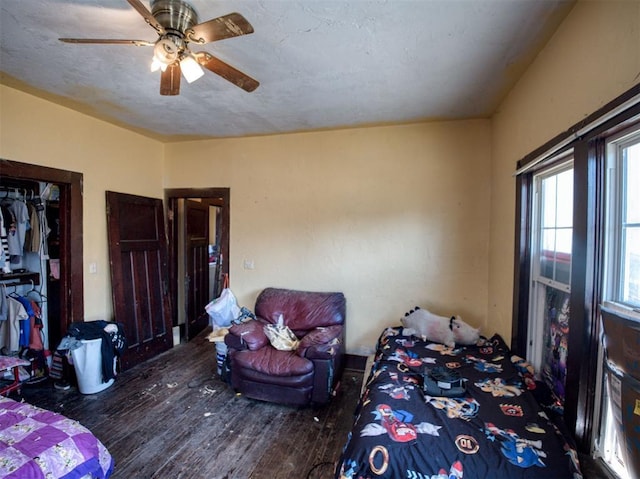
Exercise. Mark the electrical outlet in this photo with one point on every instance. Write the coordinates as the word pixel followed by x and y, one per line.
pixel 93 268
pixel 248 264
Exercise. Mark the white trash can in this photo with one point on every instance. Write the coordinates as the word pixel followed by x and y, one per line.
pixel 87 361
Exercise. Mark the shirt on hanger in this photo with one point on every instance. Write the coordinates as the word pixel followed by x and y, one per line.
pixel 11 328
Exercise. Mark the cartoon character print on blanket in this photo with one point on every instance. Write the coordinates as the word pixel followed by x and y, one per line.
pixel 397 424
pixel 520 452
pixel 496 430
pixel 398 390
pixel 498 388
pixel 460 408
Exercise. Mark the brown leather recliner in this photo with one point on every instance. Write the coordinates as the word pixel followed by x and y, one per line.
pixel 305 376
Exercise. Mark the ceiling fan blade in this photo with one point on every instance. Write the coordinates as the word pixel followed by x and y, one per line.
pixel 149 18
pixel 138 43
pixel 170 80
pixel 227 72
pixel 227 26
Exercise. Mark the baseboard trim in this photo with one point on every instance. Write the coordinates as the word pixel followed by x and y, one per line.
pixel 355 362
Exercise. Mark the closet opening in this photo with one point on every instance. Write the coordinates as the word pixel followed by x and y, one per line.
pixel 41 226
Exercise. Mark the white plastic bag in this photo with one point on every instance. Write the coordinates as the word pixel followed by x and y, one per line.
pixel 223 309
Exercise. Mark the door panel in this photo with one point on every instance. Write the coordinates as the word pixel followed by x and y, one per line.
pixel 197 266
pixel 138 258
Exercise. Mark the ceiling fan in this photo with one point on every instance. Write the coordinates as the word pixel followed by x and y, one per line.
pixel 176 23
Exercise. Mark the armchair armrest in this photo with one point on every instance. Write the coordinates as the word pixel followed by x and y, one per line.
pixel 321 343
pixel 247 335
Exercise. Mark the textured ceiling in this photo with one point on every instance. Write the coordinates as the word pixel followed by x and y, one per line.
pixel 320 63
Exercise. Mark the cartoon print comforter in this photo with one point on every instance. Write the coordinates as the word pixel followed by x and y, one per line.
pixel 497 428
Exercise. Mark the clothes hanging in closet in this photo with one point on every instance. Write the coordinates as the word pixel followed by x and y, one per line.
pixel 11 330
pixel 34 235
pixel 35 323
pixel 4 240
pixel 4 304
pixel 23 228
pixel 17 234
pixel 35 240
pixel 20 322
pixel 25 326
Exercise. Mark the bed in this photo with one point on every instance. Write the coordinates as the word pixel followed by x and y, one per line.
pixel 482 416
pixel 36 443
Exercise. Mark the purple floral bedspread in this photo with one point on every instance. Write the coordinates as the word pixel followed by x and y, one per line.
pixel 36 443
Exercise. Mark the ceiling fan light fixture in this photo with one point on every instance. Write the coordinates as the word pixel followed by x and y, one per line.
pixel 176 23
pixel 165 52
pixel 157 65
pixel 191 69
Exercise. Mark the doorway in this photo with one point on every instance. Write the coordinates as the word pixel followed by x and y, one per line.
pixel 64 284
pixel 198 230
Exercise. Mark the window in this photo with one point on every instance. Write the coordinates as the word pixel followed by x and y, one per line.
pixel 548 330
pixel 568 271
pixel 556 217
pixel 623 219
pixel 621 291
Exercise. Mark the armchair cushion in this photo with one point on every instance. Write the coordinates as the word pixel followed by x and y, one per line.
pixel 273 362
pixel 250 333
pixel 302 311
pixel 321 339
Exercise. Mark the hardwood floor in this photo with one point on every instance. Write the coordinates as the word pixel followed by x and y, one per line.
pixel 172 417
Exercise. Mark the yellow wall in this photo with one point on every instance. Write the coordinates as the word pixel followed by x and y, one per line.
pixel 110 158
pixel 392 216
pixel 592 58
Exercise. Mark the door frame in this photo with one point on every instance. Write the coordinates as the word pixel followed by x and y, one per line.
pixel 71 240
pixel 172 195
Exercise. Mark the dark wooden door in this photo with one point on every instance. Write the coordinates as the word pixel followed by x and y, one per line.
pixel 138 258
pixel 197 266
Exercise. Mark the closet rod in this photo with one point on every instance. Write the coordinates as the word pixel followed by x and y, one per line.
pixel 25 193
